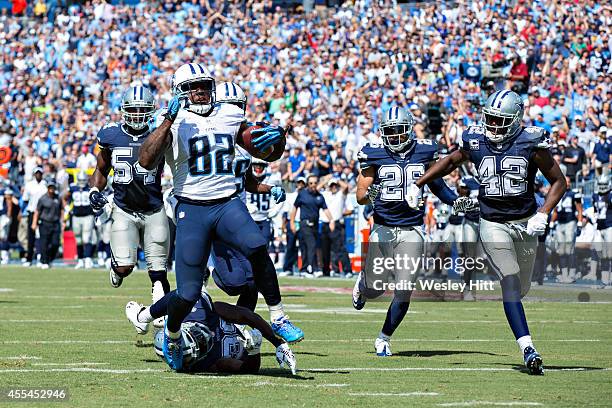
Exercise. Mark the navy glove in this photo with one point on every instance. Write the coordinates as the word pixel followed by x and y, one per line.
pixel 97 200
pixel 173 107
pixel 267 136
pixel 278 193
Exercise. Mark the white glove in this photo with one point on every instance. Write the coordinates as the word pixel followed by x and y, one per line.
pixel 373 191
pixel 285 357
pixel 465 205
pixel 251 340
pixel 536 225
pixel 413 196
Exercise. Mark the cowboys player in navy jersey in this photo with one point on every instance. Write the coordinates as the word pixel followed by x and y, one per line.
pixel 507 157
pixel 82 220
pixel 138 215
pixel 214 335
pixel 387 171
pixel 567 219
pixel 602 202
pixel 198 137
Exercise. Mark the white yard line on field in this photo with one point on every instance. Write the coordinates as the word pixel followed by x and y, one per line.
pixel 67 342
pixel 491 369
pixel 491 404
pixel 21 358
pixel 502 322
pixel 62 321
pixel 447 340
pixel 5 290
pixel 80 370
pixel 84 363
pixel 394 394
pixel 269 383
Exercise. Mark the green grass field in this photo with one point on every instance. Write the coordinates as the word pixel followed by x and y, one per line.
pixel 67 329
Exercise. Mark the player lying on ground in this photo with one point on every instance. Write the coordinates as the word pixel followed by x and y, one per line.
pixel 213 340
pixel 197 137
pixel 508 157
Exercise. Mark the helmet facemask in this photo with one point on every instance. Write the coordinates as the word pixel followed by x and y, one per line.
pixel 198 341
pixel 396 136
pixel 137 114
pixel 259 169
pixel 199 94
pixel 603 186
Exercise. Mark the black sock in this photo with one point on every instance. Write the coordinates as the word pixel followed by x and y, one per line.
pixel 161 276
pixel 248 298
pixel 80 251
pixel 395 314
pixel 178 309
pixel 511 293
pixel 264 273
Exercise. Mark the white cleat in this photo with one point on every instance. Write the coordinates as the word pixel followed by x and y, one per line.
pixel 157 292
pixel 468 296
pixel 317 274
pixel 131 311
pixel 79 264
pixel 27 263
pixel 115 280
pixel 359 300
pixel 44 266
pixel 88 263
pixel 382 347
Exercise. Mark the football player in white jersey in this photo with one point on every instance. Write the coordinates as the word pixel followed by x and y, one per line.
pixel 198 138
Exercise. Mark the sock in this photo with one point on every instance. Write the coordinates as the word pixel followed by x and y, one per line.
pixel 80 251
pixel 87 250
pixel 173 335
pixel 524 342
pixel 467 278
pixel 563 265
pixel 265 277
pixel 178 308
pixel 276 312
pixel 384 337
pixel 395 314
pixel 248 298
pixel 511 293
pixel 161 276
pixel 144 316
pixel 160 308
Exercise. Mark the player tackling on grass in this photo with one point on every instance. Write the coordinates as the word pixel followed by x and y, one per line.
pixel 508 157
pixel 197 137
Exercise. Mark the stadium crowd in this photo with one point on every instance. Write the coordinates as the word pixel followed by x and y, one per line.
pixel 329 73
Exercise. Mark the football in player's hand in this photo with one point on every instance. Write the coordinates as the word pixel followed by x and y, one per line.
pixel 247 139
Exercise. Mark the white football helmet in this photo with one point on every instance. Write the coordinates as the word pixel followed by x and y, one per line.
pixel 193 83
pixel 229 92
pixel 259 167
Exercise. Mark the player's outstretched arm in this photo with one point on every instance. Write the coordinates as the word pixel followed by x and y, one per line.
pixel 550 169
pixel 241 315
pixel 364 181
pixel 443 167
pixel 154 146
pixel 103 166
pixel 442 191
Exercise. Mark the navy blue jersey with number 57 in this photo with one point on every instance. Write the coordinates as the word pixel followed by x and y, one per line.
pixel 136 189
pixel 395 172
pixel 506 172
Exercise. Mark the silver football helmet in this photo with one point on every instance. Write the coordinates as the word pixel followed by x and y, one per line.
pixel 137 107
pixel 82 179
pixel 396 128
pixel 229 92
pixel 502 115
pixel 258 167
pixel 603 185
pixel 197 342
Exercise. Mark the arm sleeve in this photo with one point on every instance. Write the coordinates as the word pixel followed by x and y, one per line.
pixel 442 191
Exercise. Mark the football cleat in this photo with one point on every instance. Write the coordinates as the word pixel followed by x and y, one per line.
pixel 359 300
pixel 173 351
pixel 88 263
pixel 286 330
pixel 79 264
pixel 468 296
pixel 533 361
pixel 382 347
pixel 44 266
pixel 131 311
pixel 115 280
pixel 157 292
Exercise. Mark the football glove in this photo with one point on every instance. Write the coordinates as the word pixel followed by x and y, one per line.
pixel 285 358
pixel 465 205
pixel 173 107
pixel 278 193
pixel 251 341
pixel 413 196
pixel 536 225
pixel 373 192
pixel 267 137
pixel 97 200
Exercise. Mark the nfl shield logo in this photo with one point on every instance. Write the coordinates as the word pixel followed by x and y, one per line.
pixel 474 144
